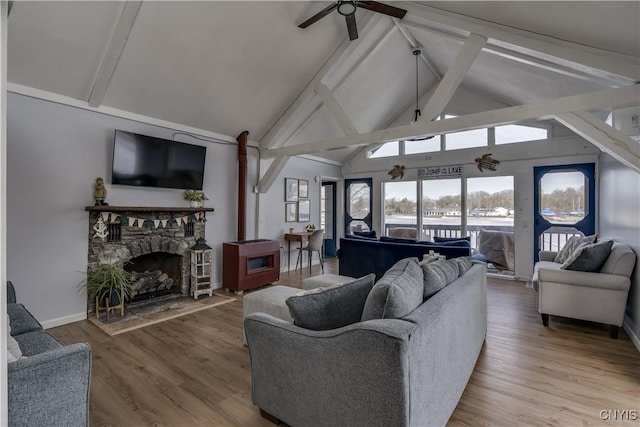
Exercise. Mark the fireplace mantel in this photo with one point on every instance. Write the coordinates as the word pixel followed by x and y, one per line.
pixel 145 209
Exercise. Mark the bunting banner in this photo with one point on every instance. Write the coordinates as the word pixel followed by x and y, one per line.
pixel 110 217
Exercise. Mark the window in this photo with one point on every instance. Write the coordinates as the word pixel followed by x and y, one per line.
pixel 562 197
pixel 441 207
pixel 424 146
pixel 465 139
pixel 400 206
pixel 490 205
pixel 385 150
pixel 518 133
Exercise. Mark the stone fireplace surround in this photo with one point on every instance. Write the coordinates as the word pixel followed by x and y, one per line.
pixel 125 242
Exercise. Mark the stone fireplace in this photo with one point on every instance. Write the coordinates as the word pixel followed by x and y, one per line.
pixel 154 241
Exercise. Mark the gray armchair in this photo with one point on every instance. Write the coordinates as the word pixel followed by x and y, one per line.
pixel 597 297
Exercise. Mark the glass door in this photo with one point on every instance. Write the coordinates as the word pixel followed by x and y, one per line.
pixel 564 205
pixel 358 205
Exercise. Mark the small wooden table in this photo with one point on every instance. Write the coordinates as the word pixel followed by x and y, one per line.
pixel 298 236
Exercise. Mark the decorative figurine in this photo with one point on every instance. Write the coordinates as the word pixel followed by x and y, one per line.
pixel 486 162
pixel 310 228
pixel 100 193
pixel 397 172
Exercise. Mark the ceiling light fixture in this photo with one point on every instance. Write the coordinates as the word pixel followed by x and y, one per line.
pixel 347 8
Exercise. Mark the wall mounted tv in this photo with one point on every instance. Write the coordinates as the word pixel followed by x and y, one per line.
pixel 146 161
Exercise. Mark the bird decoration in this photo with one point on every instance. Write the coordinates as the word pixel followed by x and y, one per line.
pixel 486 162
pixel 397 172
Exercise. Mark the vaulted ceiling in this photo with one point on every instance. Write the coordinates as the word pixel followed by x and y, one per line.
pixel 223 67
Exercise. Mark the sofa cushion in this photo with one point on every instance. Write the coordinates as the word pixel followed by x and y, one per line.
pixel 397 293
pixel 36 342
pixel 460 243
pixel 332 308
pixel 437 275
pixel 571 245
pixel 588 257
pixel 451 239
pixel 464 264
pixel 397 239
pixel 21 320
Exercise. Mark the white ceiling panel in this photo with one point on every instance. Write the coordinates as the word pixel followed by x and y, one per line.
pixel 221 66
pixel 58 46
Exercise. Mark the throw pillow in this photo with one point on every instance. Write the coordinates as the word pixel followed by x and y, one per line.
pixel 397 293
pixel 437 275
pixel 588 257
pixel 464 264
pixel 14 353
pixel 371 234
pixel 571 245
pixel 333 308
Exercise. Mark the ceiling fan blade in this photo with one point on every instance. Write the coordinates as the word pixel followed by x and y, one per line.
pixel 318 16
pixel 375 6
pixel 351 26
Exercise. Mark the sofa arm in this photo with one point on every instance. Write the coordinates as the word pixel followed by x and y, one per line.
pixel 51 388
pixel 11 293
pixel 586 279
pixel 547 255
pixel 360 371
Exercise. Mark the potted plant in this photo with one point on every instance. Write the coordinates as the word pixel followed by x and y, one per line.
pixel 108 282
pixel 195 197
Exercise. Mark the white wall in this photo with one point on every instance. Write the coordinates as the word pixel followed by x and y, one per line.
pixel 271 222
pixel 54 154
pixel 620 220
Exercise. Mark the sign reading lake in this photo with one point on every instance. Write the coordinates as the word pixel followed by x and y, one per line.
pixel 440 171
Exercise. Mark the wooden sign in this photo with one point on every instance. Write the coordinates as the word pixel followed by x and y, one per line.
pixel 440 171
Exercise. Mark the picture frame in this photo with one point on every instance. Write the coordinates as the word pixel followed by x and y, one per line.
pixel 304 210
pixel 290 212
pixel 303 188
pixel 290 189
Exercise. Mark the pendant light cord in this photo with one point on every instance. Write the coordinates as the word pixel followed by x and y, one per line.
pixel 417 113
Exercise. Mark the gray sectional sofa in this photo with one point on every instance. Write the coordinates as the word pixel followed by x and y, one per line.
pixel 407 371
pixel 49 384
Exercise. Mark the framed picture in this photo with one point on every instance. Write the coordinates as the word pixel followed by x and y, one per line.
pixel 303 188
pixel 290 212
pixel 290 189
pixel 304 210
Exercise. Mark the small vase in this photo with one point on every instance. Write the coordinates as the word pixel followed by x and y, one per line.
pixel 195 203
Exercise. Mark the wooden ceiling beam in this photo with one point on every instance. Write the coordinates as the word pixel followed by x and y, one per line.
pixel 272 173
pixel 111 57
pixel 274 135
pixel 453 78
pixel 610 81
pixel 336 111
pixel 600 62
pixel 608 139
pixel 608 98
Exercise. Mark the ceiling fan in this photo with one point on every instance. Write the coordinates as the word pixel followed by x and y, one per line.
pixel 348 10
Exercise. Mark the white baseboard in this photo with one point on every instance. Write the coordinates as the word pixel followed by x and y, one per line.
pixel 627 326
pixel 64 320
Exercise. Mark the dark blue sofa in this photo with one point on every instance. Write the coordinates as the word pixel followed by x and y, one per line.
pixel 360 256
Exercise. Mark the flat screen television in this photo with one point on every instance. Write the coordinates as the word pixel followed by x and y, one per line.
pixel 146 161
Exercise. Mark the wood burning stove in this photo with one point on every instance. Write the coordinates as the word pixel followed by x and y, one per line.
pixel 250 264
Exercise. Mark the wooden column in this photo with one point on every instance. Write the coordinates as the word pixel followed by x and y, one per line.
pixel 242 185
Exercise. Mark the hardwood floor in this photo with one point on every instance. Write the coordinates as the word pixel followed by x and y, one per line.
pixel 194 370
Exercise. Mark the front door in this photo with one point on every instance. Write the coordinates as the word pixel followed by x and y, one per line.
pixel 564 204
